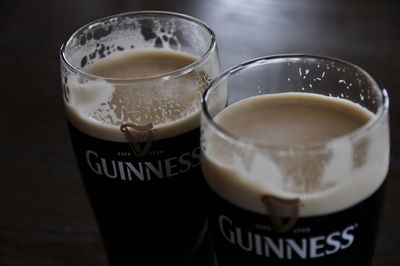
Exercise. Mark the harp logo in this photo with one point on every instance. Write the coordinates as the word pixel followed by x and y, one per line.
pixel 284 213
pixel 139 138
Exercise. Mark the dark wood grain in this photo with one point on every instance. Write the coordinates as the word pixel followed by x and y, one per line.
pixel 45 218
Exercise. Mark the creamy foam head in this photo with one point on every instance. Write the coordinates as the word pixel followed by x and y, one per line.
pixel 327 176
pixel 100 106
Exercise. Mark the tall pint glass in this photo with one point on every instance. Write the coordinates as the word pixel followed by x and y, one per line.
pixel 295 151
pixel 132 85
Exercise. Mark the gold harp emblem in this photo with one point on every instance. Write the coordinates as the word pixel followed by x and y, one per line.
pixel 139 138
pixel 284 213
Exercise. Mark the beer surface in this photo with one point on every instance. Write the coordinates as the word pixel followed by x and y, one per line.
pixel 144 64
pixel 99 107
pixel 290 119
pixel 334 174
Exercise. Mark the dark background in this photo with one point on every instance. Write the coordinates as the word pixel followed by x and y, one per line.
pixel 45 218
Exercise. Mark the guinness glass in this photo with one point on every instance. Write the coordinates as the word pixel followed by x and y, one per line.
pixel 295 151
pixel 132 85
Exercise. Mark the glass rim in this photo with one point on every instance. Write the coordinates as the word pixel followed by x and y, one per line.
pixel 252 143
pixel 164 76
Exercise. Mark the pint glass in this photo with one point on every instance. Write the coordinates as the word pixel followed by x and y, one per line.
pixel 132 85
pixel 295 151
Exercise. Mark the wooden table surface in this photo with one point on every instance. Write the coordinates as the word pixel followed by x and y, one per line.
pixel 45 218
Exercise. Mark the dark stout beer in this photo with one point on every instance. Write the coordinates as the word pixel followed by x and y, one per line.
pixel 274 205
pixel 137 147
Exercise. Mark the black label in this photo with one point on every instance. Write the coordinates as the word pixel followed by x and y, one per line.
pixel 146 205
pixel 343 238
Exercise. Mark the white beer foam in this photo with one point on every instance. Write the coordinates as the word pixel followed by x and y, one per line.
pixel 84 117
pixel 94 109
pixel 243 179
pixel 87 96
